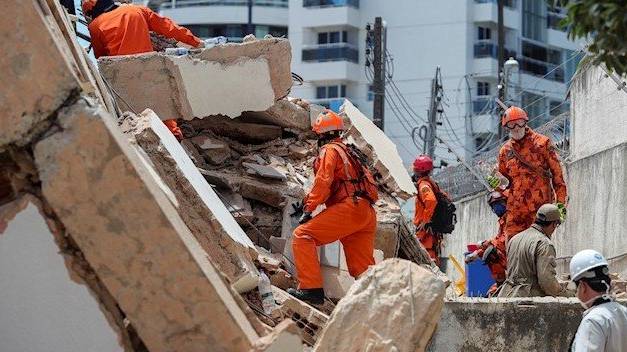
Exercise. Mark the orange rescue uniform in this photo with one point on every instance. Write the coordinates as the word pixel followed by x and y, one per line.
pixel 534 181
pixel 498 267
pixel 126 30
pixel 426 202
pixel 350 220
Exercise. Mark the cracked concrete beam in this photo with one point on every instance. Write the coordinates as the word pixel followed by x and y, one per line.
pixel 381 152
pixel 35 48
pixel 238 129
pixel 228 247
pixel 203 84
pixel 128 230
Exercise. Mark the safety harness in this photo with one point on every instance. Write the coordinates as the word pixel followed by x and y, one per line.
pixel 364 185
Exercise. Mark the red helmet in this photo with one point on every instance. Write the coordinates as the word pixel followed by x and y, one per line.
pixel 88 6
pixel 423 163
pixel 328 121
pixel 514 113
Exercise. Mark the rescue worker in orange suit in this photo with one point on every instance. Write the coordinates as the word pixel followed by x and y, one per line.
pixel 493 251
pixel 125 30
pixel 426 202
pixel 531 164
pixel 349 216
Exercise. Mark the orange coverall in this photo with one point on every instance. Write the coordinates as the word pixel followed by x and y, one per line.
pixel 351 221
pixel 125 31
pixel 426 202
pixel 530 186
pixel 497 268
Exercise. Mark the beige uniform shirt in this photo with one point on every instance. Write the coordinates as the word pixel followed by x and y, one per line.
pixel 531 266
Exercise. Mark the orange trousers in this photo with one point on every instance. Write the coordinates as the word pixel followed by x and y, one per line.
pixel 352 224
pixel 431 242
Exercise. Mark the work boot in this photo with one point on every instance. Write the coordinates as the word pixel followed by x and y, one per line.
pixel 311 295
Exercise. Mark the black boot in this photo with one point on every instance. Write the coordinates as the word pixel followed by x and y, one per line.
pixel 311 295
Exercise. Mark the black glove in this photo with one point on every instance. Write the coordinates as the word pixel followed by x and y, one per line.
pixel 305 217
pixel 415 178
pixel 298 209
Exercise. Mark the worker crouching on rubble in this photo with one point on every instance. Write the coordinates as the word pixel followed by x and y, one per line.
pixel 531 259
pixel 345 186
pixel 530 163
pixel 125 30
pixel 604 325
pixel 492 251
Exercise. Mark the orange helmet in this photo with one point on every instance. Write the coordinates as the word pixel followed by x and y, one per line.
pixel 514 113
pixel 328 121
pixel 88 6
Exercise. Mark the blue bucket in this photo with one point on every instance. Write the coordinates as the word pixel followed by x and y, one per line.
pixel 478 279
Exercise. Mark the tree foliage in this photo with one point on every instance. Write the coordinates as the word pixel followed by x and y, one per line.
pixel 604 24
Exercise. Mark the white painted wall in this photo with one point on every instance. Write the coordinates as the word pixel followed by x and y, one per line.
pixel 226 15
pixel 41 308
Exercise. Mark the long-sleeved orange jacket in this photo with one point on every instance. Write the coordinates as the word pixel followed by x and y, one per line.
pixel 426 202
pixel 535 176
pixel 125 31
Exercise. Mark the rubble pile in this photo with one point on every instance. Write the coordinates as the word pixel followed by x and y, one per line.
pixel 170 237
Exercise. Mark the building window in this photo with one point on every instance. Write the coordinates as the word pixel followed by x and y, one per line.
pixel 331 92
pixel 483 88
pixel 323 38
pixel 534 20
pixel 332 37
pixel 484 33
pixel 370 96
pixel 535 105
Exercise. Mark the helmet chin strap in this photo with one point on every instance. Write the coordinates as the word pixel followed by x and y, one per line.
pixel 589 303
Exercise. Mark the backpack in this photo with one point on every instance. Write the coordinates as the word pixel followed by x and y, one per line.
pixel 365 185
pixel 444 217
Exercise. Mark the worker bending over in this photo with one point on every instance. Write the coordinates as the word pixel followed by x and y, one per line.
pixel 604 324
pixel 348 191
pixel 531 259
pixel 530 163
pixel 125 30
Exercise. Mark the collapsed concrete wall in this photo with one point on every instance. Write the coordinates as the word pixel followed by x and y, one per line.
pixel 598 111
pixel 204 83
pixel 44 305
pixel 226 244
pixel 517 325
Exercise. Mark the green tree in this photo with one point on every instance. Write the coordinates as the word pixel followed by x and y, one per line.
pixel 604 24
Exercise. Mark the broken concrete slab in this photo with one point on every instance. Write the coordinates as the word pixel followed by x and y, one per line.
pixel 284 337
pixel 241 131
pixel 203 84
pixel 215 151
pixel 228 247
pixel 38 49
pixel 128 230
pixel 298 152
pixel 283 113
pixel 394 306
pixel 265 171
pixel 380 150
pixel 309 320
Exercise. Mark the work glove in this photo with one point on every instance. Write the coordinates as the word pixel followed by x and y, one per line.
pixel 471 257
pixel 562 209
pixel 298 209
pixel 305 217
pixel 493 181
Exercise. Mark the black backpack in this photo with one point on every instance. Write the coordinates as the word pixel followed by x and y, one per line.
pixel 444 217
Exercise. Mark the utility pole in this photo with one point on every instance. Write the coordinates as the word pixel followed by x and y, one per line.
pixel 379 78
pixel 434 108
pixel 501 58
pixel 249 27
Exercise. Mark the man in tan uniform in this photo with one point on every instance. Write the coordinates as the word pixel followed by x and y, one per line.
pixel 531 259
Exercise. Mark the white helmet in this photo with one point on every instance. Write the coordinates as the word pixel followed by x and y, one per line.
pixel 584 261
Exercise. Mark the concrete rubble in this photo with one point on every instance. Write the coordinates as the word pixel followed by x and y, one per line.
pixel 168 238
pixel 203 83
pixel 394 306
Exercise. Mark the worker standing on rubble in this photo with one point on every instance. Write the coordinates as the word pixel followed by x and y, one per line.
pixel 426 202
pixel 125 30
pixel 493 251
pixel 531 259
pixel 604 325
pixel 347 189
pixel 530 163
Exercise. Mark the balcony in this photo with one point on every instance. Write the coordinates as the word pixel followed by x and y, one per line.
pixel 331 3
pixel 330 52
pixel 175 4
pixel 507 3
pixel 487 48
pixel 540 68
